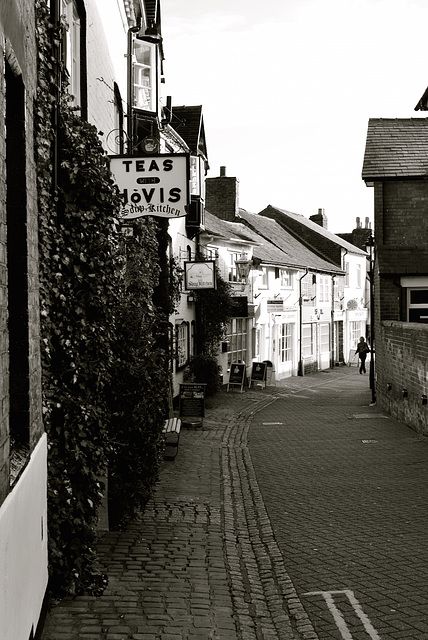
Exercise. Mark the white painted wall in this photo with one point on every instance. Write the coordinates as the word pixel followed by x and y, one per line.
pixel 23 549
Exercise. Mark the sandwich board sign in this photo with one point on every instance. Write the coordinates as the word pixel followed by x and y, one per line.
pixel 258 372
pixel 237 375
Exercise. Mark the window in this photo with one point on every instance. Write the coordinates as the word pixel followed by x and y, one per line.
pixel 354 333
pixel 324 338
pixel 264 277
pixel 286 278
pixel 144 75
pixel 233 274
pixel 307 341
pixel 74 22
pixel 182 341
pixel 346 274
pixel 323 289
pixel 237 338
pixel 286 342
pixel 358 275
pixel 417 304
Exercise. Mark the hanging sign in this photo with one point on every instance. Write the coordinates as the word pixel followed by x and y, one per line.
pixel 156 185
pixel 199 275
pixel 275 306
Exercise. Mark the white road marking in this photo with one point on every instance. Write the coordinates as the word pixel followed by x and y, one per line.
pixel 338 617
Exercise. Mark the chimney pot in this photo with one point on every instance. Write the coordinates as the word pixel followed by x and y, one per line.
pixel 222 172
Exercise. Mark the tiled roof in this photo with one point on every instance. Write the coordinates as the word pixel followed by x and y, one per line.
pixel 189 124
pixel 227 230
pixel 313 227
pixel 293 252
pixel 273 244
pixel 396 148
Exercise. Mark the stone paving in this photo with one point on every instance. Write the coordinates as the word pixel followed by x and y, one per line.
pixel 285 494
pixel 345 490
pixel 202 562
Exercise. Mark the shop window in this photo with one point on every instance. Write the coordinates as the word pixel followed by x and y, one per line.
pixel 238 340
pixel 286 342
pixel 182 344
pixel 355 329
pixel 324 338
pixel 307 341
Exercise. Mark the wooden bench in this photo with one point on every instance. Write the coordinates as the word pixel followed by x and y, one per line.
pixel 171 431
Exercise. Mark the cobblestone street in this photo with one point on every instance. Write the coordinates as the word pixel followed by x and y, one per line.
pixel 248 542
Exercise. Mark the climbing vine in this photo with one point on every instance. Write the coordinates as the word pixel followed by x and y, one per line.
pixel 103 373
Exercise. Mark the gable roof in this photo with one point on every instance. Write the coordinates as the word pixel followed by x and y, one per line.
pixel 271 244
pixel 311 228
pixel 396 148
pixel 189 124
pixel 294 252
pixel 227 231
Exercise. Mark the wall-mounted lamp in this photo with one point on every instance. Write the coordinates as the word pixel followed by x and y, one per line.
pixel 243 266
pixel 389 386
pixel 405 393
pixel 424 399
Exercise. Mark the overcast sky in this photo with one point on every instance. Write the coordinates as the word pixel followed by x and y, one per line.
pixel 287 88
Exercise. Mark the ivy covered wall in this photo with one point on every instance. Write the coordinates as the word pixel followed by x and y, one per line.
pixel 105 373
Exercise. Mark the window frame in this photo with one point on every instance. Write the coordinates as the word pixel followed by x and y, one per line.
pixel 182 342
pixel 286 337
pixel 237 336
pixel 74 51
pixel 416 306
pixel 150 105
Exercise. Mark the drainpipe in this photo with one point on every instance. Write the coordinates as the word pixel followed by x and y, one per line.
pixel 333 345
pixel 130 118
pixel 301 371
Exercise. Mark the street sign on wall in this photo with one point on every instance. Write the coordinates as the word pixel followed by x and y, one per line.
pixel 156 185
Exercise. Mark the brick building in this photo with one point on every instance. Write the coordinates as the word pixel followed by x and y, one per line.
pixel 395 164
pixel 23 447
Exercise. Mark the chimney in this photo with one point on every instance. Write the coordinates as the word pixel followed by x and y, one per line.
pixel 320 218
pixel 358 223
pixel 222 196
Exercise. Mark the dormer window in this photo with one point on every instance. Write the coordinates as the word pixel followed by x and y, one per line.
pixel 144 75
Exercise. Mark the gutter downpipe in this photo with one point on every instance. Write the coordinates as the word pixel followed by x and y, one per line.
pixel 301 371
pixel 130 114
pixel 333 345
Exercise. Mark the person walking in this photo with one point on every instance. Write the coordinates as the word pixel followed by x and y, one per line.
pixel 362 351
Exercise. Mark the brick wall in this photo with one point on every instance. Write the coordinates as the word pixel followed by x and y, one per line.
pixel 21 55
pixel 402 362
pixel 401 226
pixel 222 197
pixel 4 343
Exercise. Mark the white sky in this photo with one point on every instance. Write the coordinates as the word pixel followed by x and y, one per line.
pixel 287 89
